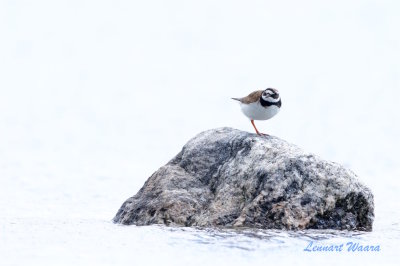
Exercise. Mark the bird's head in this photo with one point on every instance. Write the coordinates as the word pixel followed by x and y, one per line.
pixel 270 95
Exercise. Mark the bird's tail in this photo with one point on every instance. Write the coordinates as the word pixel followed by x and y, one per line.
pixel 236 99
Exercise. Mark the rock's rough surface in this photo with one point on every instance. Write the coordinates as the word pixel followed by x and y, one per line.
pixel 227 177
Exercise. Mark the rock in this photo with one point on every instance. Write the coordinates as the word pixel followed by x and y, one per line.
pixel 230 178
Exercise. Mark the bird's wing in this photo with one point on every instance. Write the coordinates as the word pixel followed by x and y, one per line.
pixel 251 98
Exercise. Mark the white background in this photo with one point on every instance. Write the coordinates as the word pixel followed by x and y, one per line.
pixel 96 95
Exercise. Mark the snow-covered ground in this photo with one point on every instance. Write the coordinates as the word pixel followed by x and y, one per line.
pixel 96 95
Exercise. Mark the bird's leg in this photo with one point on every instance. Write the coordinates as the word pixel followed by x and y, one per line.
pixel 252 122
pixel 258 132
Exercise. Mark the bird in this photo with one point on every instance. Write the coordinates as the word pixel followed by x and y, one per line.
pixel 260 105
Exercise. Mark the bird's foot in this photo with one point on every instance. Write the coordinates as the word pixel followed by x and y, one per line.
pixel 262 134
